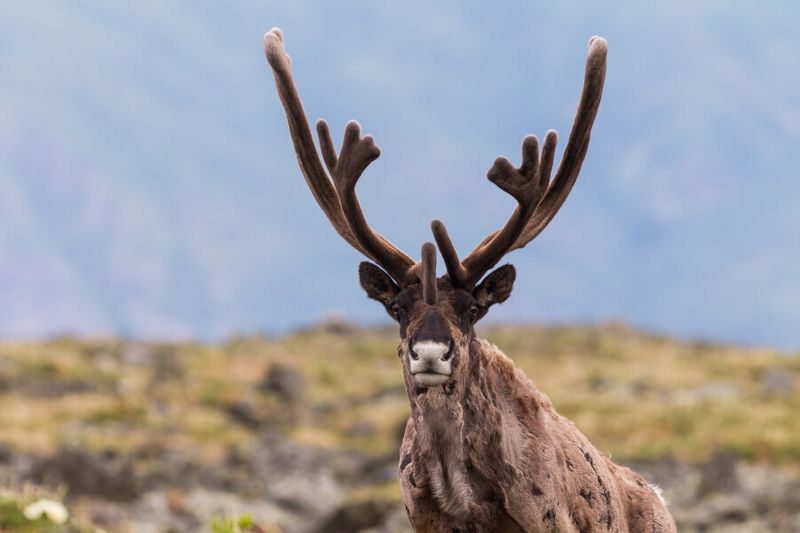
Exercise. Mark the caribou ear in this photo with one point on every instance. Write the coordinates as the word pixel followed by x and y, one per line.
pixel 496 287
pixel 377 283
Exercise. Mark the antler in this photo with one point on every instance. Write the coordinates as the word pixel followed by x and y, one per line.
pixel 337 198
pixel 538 198
pixel 427 273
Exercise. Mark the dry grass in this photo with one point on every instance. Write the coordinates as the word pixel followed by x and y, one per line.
pixel 635 395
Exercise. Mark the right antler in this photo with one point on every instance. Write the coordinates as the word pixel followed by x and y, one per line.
pixel 337 198
pixel 538 198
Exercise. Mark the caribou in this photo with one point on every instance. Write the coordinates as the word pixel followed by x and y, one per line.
pixel 483 449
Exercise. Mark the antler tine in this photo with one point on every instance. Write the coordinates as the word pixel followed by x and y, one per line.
pixel 455 271
pixel 357 153
pixel 527 184
pixel 577 145
pixel 336 199
pixel 546 166
pixel 326 145
pixel 428 274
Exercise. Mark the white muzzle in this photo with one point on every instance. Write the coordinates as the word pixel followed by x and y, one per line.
pixel 430 363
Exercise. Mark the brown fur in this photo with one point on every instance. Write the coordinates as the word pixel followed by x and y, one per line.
pixel 484 450
pixel 492 454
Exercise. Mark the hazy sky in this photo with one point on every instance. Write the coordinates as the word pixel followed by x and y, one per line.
pixel 148 185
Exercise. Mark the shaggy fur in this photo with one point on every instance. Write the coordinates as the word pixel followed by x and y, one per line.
pixel 491 454
pixel 484 450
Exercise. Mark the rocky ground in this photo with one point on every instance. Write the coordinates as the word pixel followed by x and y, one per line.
pixel 300 434
pixel 290 488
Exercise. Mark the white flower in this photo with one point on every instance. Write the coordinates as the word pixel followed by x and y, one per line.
pixel 53 510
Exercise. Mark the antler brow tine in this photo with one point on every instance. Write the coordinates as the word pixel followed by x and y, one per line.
pixel 428 274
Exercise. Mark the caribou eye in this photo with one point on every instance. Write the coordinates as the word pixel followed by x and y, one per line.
pixel 473 311
pixel 396 310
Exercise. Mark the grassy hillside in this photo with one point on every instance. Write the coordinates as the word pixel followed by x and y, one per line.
pixel 338 390
pixel 635 395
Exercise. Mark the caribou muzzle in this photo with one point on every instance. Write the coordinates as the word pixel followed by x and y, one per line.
pixel 430 362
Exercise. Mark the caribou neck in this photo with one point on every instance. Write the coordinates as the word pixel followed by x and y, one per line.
pixel 467 434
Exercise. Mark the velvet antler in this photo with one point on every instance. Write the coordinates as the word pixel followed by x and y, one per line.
pixel 336 197
pixel 428 274
pixel 538 198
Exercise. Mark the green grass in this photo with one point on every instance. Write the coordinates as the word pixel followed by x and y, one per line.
pixel 12 519
pixel 243 524
pixel 14 499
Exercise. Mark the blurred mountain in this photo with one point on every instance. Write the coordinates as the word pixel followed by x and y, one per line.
pixel 148 185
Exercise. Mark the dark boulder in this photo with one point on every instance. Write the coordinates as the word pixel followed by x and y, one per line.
pixel 108 475
pixel 356 516
pixel 285 382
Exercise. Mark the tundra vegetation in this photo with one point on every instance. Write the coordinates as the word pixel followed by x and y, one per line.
pixel 301 432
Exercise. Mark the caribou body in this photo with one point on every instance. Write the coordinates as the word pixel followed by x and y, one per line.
pixel 483 450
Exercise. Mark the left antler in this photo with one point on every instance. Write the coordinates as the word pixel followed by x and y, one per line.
pixel 538 198
pixel 337 198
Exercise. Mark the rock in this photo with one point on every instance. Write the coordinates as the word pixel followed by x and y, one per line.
pixel 164 511
pixel 111 516
pixel 725 511
pixel 194 510
pixel 362 428
pixel 299 478
pixel 719 475
pixel 84 473
pixel 378 470
pixel 244 413
pixel 166 366
pixel 174 468
pixel 395 522
pixel 285 382
pixel 778 382
pixel 356 516
pixel 6 453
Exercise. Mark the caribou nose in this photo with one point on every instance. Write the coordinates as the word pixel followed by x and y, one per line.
pixel 429 362
pixel 430 351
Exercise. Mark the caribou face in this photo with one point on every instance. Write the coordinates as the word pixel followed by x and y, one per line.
pixel 436 326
